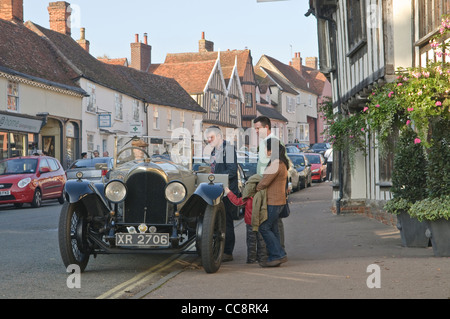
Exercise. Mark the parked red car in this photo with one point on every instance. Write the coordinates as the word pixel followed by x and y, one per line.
pixel 318 166
pixel 31 179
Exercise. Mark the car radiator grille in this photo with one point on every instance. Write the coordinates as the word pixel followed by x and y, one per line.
pixel 145 197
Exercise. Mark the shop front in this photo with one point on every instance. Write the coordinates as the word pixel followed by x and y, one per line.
pixel 60 138
pixel 18 134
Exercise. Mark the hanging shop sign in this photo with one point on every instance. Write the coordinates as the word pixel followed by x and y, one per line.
pixel 104 120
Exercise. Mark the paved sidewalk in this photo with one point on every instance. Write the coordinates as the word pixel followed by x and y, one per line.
pixel 329 257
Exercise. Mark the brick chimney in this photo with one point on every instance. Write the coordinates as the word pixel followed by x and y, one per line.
pixel 60 13
pixel 205 45
pixel 11 10
pixel 83 42
pixel 141 54
pixel 312 62
pixel 297 62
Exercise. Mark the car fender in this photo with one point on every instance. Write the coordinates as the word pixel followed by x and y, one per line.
pixel 76 190
pixel 205 194
pixel 211 193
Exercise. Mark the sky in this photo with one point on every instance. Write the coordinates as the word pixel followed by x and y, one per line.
pixel 278 29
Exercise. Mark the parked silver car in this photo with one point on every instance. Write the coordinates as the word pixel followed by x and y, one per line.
pixel 87 167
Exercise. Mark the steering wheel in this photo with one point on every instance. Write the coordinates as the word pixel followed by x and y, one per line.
pixel 131 148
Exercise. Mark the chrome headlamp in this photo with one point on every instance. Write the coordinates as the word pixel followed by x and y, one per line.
pixel 115 191
pixel 175 192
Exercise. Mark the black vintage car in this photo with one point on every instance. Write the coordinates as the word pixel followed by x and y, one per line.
pixel 148 204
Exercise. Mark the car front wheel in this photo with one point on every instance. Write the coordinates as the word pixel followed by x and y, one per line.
pixel 37 198
pixel 213 237
pixel 72 236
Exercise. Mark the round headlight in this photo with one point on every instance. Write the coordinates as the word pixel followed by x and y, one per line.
pixel 115 191
pixel 175 192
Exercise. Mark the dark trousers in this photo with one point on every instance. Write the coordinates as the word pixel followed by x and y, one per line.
pixel 229 232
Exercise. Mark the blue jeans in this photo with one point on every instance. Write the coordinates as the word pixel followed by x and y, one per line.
pixel 271 235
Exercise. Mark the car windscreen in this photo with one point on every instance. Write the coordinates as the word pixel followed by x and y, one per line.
pixel 319 146
pixel 18 166
pixel 88 163
pixel 313 159
pixel 297 160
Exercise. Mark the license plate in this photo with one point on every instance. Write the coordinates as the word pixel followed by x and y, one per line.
pixel 142 240
pixel 5 193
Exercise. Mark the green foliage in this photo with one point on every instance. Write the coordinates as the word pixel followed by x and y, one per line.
pixel 438 170
pixel 397 205
pixel 409 174
pixel 431 209
pixel 345 133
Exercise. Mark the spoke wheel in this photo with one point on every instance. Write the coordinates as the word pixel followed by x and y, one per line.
pixel 213 237
pixel 72 235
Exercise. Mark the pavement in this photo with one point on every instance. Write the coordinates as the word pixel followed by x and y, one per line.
pixel 330 256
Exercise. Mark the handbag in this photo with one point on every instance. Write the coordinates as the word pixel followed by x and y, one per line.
pixel 285 211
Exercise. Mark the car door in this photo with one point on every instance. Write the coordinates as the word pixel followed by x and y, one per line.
pixel 45 178
pixel 58 176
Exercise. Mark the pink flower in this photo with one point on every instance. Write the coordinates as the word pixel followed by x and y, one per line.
pixel 378 105
pixel 410 109
pixel 438 103
pixel 365 109
pixel 408 122
pixel 420 92
pixel 400 84
pixel 362 130
pixel 417 141
pixel 390 94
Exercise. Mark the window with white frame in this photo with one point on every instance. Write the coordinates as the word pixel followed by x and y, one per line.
pixel 119 106
pixel 155 118
pixel 13 96
pixel 136 110
pixel 303 132
pixel 290 104
pixel 215 102
pixel 169 120
pixel 90 142
pixel 233 107
pixel 91 100
pixel 183 124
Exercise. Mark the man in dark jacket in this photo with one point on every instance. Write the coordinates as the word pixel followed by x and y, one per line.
pixel 224 161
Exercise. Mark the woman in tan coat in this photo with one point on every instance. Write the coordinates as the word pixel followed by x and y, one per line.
pixel 274 181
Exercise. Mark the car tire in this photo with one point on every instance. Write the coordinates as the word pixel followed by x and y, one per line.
pixel 37 198
pixel 61 199
pixel 213 237
pixel 72 236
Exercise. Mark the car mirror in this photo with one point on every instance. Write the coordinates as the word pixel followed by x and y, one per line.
pixel 44 169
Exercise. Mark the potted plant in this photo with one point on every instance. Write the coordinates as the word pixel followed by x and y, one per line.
pixel 435 209
pixel 408 186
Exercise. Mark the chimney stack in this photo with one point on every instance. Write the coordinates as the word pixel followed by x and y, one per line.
pixel 312 62
pixel 205 45
pixel 60 13
pixel 297 62
pixel 83 42
pixel 141 54
pixel 12 10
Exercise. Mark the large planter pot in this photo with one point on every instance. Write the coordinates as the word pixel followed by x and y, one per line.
pixel 439 233
pixel 412 231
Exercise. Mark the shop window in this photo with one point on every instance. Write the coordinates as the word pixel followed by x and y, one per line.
pixel 17 144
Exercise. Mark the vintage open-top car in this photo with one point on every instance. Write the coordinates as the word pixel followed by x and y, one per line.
pixel 146 204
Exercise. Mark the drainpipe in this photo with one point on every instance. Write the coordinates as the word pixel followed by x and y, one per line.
pixel 339 102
